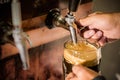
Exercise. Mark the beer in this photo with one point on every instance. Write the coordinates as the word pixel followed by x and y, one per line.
pixel 81 53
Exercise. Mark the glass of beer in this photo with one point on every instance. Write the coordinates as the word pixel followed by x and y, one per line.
pixel 82 53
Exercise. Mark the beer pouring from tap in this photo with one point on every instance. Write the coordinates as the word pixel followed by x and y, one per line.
pixel 54 18
pixel 76 51
pixel 71 24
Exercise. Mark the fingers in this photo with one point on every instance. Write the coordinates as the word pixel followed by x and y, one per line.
pixel 102 41
pixel 76 74
pixel 89 33
pixel 74 78
pixel 78 71
pixel 71 76
pixel 84 73
pixel 95 37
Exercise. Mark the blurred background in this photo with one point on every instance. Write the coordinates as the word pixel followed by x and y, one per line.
pixel 45 59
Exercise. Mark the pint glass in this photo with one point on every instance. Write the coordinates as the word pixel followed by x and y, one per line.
pixel 82 53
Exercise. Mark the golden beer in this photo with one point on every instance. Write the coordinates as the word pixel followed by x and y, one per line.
pixel 81 53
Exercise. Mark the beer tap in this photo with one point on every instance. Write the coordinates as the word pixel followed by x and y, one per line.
pixel 73 5
pixel 55 19
pixel 18 34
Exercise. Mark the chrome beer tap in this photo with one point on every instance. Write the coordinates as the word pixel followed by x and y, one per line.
pixel 70 20
pixel 73 5
pixel 18 34
pixel 55 19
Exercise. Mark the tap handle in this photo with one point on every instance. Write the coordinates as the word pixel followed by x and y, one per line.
pixel 6 33
pixel 73 5
pixel 52 14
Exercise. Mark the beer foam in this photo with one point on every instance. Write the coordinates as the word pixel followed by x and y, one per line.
pixel 82 53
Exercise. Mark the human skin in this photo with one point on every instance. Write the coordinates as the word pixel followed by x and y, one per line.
pixel 103 27
pixel 80 72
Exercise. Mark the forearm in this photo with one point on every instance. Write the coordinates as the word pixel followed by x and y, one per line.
pixel 116 19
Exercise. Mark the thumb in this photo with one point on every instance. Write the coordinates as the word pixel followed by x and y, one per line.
pixel 86 21
pixel 84 73
pixel 77 70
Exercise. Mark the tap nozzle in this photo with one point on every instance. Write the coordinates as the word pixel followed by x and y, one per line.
pixel 55 19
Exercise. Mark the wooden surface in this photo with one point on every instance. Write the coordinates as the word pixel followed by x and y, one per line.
pixel 45 57
pixel 45 63
pixel 36 29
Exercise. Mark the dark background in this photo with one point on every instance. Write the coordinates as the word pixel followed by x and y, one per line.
pixel 30 8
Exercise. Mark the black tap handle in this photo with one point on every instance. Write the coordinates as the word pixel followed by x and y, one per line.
pixel 5 33
pixel 73 5
pixel 51 16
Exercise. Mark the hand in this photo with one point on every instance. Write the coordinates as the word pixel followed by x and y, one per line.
pixel 102 27
pixel 81 73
